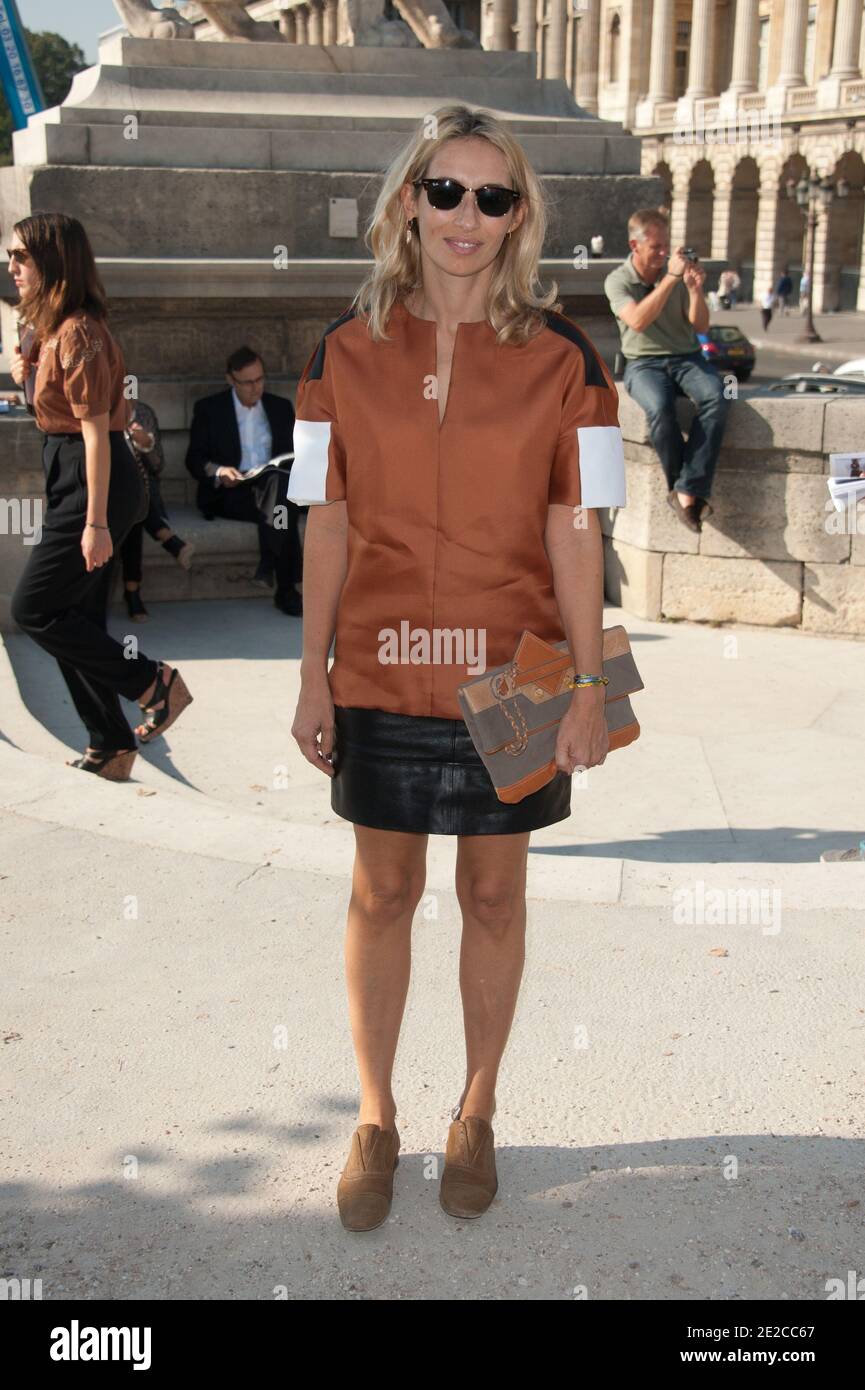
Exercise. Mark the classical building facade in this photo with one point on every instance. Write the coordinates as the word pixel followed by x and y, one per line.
pixel 735 100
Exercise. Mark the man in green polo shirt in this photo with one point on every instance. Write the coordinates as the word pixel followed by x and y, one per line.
pixel 659 312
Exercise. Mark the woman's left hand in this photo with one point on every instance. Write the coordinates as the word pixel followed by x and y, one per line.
pixel 141 437
pixel 96 547
pixel 584 739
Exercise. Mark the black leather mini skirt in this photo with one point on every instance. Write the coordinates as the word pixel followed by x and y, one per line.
pixel 423 774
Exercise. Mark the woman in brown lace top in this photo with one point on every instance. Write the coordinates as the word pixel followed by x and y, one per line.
pixel 72 371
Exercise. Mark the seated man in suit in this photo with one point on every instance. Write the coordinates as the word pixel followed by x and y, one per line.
pixel 233 432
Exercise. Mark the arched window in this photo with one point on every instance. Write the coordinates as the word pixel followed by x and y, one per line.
pixel 615 45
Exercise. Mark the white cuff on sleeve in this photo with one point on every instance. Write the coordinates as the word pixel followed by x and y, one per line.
pixel 602 466
pixel 308 482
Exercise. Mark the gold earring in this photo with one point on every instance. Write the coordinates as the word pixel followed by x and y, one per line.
pixel 408 229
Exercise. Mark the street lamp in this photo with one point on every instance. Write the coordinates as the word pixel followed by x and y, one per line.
pixel 811 194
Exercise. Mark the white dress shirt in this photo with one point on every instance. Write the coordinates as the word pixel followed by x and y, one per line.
pixel 255 436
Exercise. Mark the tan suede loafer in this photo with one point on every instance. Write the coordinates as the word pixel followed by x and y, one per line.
pixel 469 1180
pixel 365 1190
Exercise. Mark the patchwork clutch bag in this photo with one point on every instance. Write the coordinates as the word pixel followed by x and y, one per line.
pixel 513 712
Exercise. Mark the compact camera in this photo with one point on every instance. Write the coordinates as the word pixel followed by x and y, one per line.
pixel 690 254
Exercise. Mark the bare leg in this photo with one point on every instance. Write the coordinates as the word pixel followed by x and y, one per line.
pixel 491 889
pixel 387 883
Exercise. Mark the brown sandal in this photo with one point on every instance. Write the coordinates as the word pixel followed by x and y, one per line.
pixel 169 699
pixel 113 766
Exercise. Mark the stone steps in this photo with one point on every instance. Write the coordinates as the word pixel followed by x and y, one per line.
pixel 299 107
pixel 225 559
pixel 218 142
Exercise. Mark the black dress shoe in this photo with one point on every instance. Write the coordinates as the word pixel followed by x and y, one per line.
pixel 686 514
pixel 263 576
pixel 135 606
pixel 290 603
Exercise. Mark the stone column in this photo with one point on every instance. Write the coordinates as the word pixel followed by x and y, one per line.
pixel 555 40
pixel 702 24
pixel 767 221
pixel 845 53
pixel 660 63
pixel 663 50
pixel 287 25
pixel 301 13
pixel 500 29
pixel 746 37
pixel 860 297
pixel 329 26
pixel 588 55
pixel 721 201
pixel 315 28
pixel 679 207
pixel 823 289
pixel 526 25
pixel 792 72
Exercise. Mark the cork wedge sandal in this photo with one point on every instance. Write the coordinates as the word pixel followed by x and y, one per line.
pixel 168 701
pixel 113 766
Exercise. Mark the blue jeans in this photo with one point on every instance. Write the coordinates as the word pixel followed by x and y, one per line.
pixel 689 465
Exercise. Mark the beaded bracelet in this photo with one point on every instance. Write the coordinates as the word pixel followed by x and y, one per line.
pixel 579 680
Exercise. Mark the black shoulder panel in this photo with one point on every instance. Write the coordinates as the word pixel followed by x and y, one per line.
pixel 559 324
pixel 317 369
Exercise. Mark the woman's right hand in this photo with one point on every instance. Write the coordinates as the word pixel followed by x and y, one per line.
pixel 20 367
pixel 313 724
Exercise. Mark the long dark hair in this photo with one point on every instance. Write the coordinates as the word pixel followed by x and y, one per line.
pixel 68 279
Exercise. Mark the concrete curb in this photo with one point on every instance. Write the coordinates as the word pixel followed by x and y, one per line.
pixel 34 787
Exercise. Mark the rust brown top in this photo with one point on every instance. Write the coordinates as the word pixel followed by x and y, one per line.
pixel 446 519
pixel 79 376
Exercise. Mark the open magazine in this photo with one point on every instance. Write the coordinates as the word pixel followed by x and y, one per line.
pixel 276 462
pixel 846 481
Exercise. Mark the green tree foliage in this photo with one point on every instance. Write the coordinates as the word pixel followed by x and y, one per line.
pixel 56 61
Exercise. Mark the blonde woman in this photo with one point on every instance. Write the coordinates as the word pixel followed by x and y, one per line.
pixel 462 433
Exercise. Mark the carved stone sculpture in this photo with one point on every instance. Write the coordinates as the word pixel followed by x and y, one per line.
pixel 360 22
pixel 231 19
pixel 147 21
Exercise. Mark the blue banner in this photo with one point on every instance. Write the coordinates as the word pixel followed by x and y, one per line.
pixel 17 73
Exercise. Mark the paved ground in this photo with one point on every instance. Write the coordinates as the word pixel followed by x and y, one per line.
pixel 680 1106
pixel 843 335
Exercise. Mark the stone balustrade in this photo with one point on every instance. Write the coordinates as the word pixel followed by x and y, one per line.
pixel 772 553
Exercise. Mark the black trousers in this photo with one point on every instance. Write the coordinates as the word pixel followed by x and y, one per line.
pixel 264 500
pixel 64 608
pixel 155 521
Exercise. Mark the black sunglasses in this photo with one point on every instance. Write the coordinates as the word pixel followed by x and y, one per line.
pixel 447 194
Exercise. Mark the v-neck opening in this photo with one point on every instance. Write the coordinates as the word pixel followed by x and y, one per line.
pixel 433 324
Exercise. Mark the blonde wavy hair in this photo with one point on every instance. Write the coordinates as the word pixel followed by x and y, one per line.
pixel 516 298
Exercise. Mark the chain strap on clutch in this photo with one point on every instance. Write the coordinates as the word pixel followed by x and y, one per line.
pixel 508 679
pixel 503 687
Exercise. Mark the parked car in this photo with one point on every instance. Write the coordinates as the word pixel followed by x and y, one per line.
pixel 728 349
pixel 823 383
pixel 854 368
pixel 725 347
